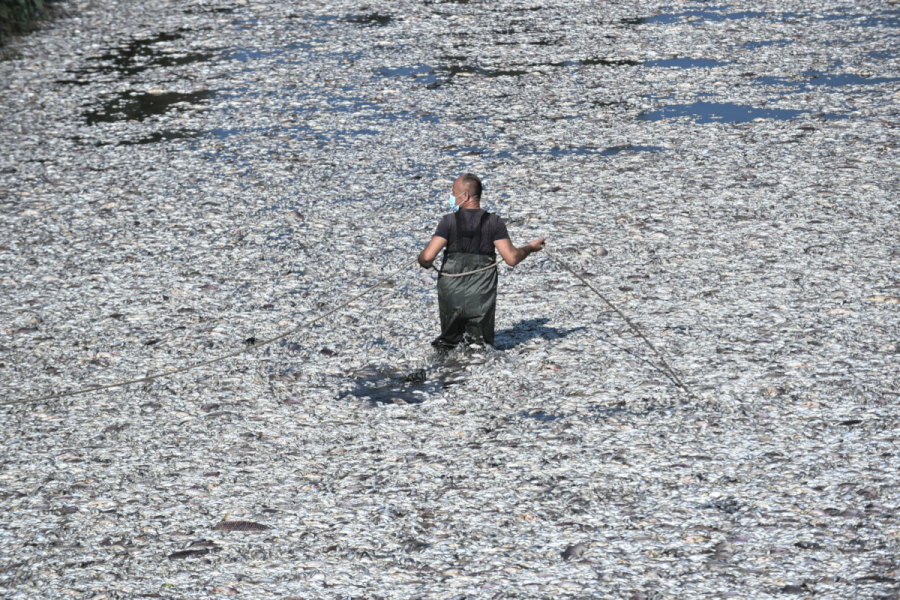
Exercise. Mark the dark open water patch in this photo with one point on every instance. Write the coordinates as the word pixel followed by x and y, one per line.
pixel 817 79
pixel 714 16
pixel 728 112
pixel 136 57
pixel 227 10
pixel 162 136
pixel 461 67
pixel 370 19
pixel 467 70
pixel 590 62
pixel 130 106
pixel 685 63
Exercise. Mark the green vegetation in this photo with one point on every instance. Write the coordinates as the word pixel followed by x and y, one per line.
pixel 19 16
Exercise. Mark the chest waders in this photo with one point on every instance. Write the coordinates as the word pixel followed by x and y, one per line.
pixel 467 304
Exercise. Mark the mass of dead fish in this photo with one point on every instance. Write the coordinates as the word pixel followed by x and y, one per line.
pixel 180 181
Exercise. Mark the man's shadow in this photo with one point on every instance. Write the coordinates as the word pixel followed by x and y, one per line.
pixel 528 329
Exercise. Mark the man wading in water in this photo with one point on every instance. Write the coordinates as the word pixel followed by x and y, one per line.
pixel 467 304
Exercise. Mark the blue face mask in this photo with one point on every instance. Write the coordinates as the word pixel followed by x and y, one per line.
pixel 453 205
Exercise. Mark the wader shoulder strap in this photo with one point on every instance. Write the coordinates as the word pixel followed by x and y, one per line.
pixel 481 223
pixel 462 233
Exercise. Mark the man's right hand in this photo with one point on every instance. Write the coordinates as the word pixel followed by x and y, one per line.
pixel 537 245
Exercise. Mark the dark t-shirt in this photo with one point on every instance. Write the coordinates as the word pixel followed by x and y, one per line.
pixel 494 229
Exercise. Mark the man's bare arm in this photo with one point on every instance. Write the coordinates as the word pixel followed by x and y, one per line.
pixel 434 247
pixel 513 255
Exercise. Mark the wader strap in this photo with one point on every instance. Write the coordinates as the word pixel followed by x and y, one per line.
pixel 481 223
pixel 462 233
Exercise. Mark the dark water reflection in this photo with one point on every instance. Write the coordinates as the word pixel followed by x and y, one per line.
pixel 528 329
pixel 382 385
pixel 389 387
pixel 715 16
pixel 138 56
pixel 685 63
pixel 130 106
pixel 727 112
pixel 816 79
pixel 162 136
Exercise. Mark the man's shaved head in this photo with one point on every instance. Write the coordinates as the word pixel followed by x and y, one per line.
pixel 471 184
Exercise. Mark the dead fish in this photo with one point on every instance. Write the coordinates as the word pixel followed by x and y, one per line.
pixel 574 551
pixel 240 526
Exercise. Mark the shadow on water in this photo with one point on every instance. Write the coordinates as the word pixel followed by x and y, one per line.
pixel 529 329
pixel 137 56
pixel 381 385
pixel 130 106
pixel 387 387
pixel 727 112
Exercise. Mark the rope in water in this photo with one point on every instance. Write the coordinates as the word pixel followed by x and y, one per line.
pixel 634 328
pixel 332 311
pixel 442 274
pixel 212 360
